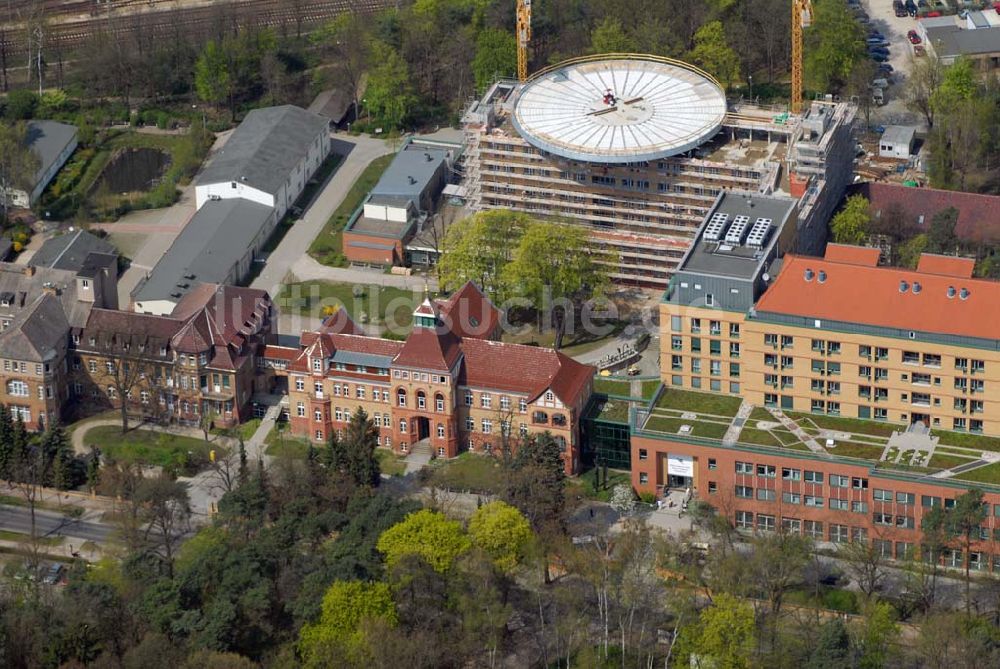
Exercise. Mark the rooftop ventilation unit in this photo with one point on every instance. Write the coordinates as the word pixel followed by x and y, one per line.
pixel 951 292
pixel 916 287
pixel 716 226
pixel 809 274
pixel 737 230
pixel 964 293
pixel 759 233
pixel 903 286
pixel 822 277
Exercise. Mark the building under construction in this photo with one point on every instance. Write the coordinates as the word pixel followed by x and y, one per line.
pixel 637 148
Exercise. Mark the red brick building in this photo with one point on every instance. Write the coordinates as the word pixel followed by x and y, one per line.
pixel 830 499
pixel 449 383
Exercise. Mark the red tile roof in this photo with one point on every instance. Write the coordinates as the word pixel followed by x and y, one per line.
pixel 429 348
pixel 978 215
pixel 469 313
pixel 872 296
pixel 932 263
pixel 272 352
pixel 853 255
pixel 524 369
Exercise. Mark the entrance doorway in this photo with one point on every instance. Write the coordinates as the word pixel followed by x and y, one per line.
pixel 922 418
pixel 423 427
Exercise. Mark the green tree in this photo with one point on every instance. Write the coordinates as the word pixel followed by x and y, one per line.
pixel 496 57
pixel 850 225
pixel 339 632
pixel 958 84
pixel 21 104
pixel 608 36
pixel 479 248
pixel 18 163
pixel 962 522
pixel 712 53
pixel 554 268
pixel 58 456
pixel 346 38
pixel 832 647
pixel 922 85
pixel 723 636
pixel 877 634
pixel 502 532
pixel 354 453
pixel 908 253
pixel 388 96
pixel 212 78
pixel 941 236
pixel 428 534
pixel 834 44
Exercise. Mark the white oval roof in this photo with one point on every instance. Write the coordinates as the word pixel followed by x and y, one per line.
pixel 619 110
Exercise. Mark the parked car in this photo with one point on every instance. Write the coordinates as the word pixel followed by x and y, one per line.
pixel 899 9
pixel 880 83
pixel 932 15
pixel 53 574
pixel 878 49
pixel 913 37
pixel 878 57
pixel 878 96
pixel 877 41
pixel 885 68
pixel 911 7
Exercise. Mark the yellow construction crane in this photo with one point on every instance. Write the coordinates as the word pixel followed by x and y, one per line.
pixel 801 18
pixel 523 37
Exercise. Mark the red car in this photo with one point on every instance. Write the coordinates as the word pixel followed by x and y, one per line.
pixel 913 37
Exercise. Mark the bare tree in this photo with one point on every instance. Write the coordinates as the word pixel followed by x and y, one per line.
pixel 126 371
pixel 165 511
pixel 925 77
pixel 865 562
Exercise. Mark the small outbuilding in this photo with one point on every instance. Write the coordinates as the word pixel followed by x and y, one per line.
pixel 897 142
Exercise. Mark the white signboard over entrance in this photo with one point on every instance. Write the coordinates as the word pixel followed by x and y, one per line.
pixel 680 465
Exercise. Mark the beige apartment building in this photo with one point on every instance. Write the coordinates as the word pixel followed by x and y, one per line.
pixel 842 336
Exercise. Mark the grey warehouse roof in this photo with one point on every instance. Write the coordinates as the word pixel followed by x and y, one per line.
pixel 48 139
pixel 899 134
pixel 266 146
pixel 409 173
pixel 70 251
pixel 954 41
pixel 737 260
pixel 208 247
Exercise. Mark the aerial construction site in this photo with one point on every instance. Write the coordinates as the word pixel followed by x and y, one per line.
pixel 637 148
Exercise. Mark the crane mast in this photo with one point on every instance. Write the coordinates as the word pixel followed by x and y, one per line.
pixel 523 37
pixel 801 18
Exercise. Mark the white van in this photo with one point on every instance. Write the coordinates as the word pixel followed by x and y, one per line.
pixel 878 96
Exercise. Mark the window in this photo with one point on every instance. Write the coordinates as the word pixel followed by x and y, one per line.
pixel 440 431
pixel 643 454
pixel 421 400
pixel 765 523
pixel 317 364
pixel 791 498
pixel 766 495
pixel 401 397
pixel 468 398
pixel 859 507
pixel 300 410
pixel 676 343
pixel 859 483
pixel 744 492
pixel 438 403
pixel 770 471
pixel 838 481
pixel 402 426
pixel 318 388
pixel 839 504
pixel 486 400
pixel 882 495
pixel 744 467
pixel 813 477
pixel 643 477
pixel 815 502
pixel 695 325
pixel 522 405
pixel 744 520
pixel 317 415
pixel 838 534
pixel 905 498
pixel 711 462
pixel 713 487
pixel 17 388
pixel 487 426
pixel 788 474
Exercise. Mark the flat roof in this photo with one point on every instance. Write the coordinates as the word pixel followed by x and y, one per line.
pixel 213 241
pixel 410 173
pixel 380 227
pixel 620 109
pixel 737 260
pixel 899 134
pixel 954 41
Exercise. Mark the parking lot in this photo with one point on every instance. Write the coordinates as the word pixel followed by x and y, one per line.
pixel 883 18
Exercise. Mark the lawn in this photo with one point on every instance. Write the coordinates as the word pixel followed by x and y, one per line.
pixel 941 461
pixel 670 425
pixel 760 413
pixel 986 474
pixel 852 449
pixel 390 463
pixel 614 410
pixel 328 247
pixel 611 386
pixel 183 455
pixel 467 472
pixel 242 431
pixel 380 304
pixel 281 444
pixel 966 440
pixel 649 388
pixel 8 535
pixel 868 427
pixel 706 403
pixel 583 485
pixel 762 437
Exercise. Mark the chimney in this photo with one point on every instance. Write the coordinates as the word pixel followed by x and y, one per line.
pixel 29 270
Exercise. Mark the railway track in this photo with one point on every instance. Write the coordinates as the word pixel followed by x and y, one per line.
pixel 72 22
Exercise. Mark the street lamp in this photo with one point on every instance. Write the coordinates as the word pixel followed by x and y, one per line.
pixel 368 112
pixel 750 79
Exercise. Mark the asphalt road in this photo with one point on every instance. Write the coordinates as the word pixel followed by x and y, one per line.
pixel 50 524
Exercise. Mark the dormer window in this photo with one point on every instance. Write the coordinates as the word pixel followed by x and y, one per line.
pixel 317 364
pixel 203 358
pixel 85 283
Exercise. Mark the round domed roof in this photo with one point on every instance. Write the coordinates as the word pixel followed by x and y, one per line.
pixel 619 109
